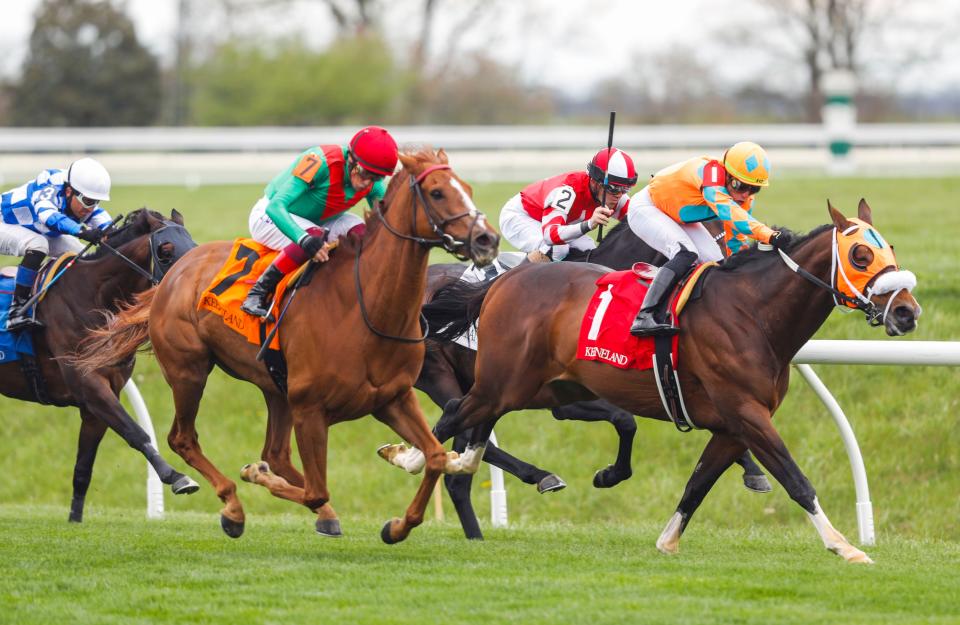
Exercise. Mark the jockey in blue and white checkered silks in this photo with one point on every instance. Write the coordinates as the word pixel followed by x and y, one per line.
pixel 49 215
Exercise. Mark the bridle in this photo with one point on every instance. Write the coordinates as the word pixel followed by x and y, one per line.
pixel 444 240
pixel 889 279
pixel 170 233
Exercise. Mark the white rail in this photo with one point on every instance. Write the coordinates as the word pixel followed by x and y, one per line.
pixel 923 353
pixel 154 485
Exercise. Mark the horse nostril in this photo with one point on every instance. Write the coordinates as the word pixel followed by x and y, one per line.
pixel 903 314
pixel 486 240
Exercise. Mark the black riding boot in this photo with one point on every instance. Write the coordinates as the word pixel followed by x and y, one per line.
pixel 258 299
pixel 652 318
pixel 18 317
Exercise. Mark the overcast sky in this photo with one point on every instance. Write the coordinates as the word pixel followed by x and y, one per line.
pixel 568 45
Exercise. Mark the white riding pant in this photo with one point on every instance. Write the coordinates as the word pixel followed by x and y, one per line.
pixel 265 232
pixel 16 240
pixel 526 233
pixel 663 234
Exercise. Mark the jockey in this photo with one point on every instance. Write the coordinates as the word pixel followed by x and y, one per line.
pixel 555 214
pixel 667 213
pixel 317 188
pixel 47 216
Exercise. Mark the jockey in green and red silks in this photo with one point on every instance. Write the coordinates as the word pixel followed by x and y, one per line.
pixel 313 195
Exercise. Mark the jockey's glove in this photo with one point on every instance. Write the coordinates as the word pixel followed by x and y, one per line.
pixel 310 244
pixel 777 240
pixel 90 235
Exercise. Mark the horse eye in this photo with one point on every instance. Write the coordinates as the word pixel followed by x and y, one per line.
pixel 865 253
pixel 436 194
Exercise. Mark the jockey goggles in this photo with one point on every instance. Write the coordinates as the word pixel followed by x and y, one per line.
pixel 615 189
pixel 368 175
pixel 87 202
pixel 739 186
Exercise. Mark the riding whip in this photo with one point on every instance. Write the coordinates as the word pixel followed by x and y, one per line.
pixel 606 172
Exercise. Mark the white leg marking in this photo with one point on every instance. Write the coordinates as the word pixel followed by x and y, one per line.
pixel 669 541
pixel 833 540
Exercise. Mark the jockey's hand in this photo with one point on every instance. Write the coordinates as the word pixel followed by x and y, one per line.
pixel 601 216
pixel 312 245
pixel 777 240
pixel 90 235
pixel 323 255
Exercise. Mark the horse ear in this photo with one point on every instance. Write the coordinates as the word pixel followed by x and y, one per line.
pixel 442 156
pixel 864 212
pixel 838 219
pixel 409 162
pixel 176 217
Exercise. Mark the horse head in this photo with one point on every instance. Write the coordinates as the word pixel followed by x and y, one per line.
pixel 867 273
pixel 452 219
pixel 168 240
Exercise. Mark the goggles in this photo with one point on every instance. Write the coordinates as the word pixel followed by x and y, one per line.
pixel 614 189
pixel 87 202
pixel 739 186
pixel 368 175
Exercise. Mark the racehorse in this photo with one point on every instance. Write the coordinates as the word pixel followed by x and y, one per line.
pixel 735 348
pixel 352 340
pixel 147 245
pixel 448 374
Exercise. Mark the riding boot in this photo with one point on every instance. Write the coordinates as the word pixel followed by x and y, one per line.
pixel 652 318
pixel 18 317
pixel 257 302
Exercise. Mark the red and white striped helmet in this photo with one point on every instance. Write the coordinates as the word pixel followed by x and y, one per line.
pixel 620 172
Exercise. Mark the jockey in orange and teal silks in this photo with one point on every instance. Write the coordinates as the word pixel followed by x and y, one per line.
pixel 667 213
pixel 303 209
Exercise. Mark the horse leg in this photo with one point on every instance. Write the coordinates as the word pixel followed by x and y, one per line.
pixel 622 421
pixel 187 376
pixel 717 456
pixel 92 430
pixel 277 472
pixel 458 487
pixel 99 399
pixel 766 444
pixel 527 473
pixel 404 416
pixel 753 477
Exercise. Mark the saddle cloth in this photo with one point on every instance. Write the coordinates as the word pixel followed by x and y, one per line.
pixel 605 329
pixel 247 262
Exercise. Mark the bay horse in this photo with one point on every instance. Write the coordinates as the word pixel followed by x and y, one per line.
pixel 736 343
pixel 98 282
pixel 352 340
pixel 447 374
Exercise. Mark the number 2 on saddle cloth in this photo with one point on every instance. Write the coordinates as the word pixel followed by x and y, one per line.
pixel 246 262
pixel 605 332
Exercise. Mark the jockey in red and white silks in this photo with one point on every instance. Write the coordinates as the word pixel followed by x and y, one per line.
pixel 552 215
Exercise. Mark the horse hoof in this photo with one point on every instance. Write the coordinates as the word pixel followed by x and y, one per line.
pixel 75 518
pixel 550 483
pixel 757 483
pixel 249 472
pixel 609 477
pixel 329 527
pixel 184 486
pixel 231 528
pixel 385 533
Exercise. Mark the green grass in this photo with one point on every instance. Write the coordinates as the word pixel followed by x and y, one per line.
pixel 580 551
pixel 118 568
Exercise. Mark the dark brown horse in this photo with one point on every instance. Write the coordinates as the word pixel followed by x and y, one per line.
pixel 447 374
pixel 99 282
pixel 352 340
pixel 736 345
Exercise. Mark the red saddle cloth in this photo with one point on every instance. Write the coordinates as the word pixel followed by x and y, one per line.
pixel 605 330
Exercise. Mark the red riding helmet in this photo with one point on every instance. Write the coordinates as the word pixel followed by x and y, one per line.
pixel 375 150
pixel 620 172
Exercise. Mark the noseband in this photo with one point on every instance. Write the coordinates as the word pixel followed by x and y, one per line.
pixel 170 233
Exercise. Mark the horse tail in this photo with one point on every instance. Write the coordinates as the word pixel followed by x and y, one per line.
pixel 119 338
pixel 454 308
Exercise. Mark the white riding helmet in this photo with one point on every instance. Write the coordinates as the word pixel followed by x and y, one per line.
pixel 89 178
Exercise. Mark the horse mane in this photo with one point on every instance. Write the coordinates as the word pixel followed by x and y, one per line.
pixel 425 155
pixel 755 258
pixel 134 225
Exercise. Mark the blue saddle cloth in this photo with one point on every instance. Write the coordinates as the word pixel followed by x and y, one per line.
pixel 11 345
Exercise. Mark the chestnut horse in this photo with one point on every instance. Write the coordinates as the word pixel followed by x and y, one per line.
pixel 448 374
pixel 97 282
pixel 736 345
pixel 352 340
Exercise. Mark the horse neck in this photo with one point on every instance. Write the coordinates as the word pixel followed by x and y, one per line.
pixel 110 281
pixel 787 308
pixel 621 249
pixel 393 270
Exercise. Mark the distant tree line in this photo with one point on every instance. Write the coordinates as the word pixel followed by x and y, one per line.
pixel 86 67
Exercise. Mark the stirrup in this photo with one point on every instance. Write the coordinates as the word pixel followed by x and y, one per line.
pixel 256 305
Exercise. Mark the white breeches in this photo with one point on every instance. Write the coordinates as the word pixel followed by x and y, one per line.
pixel 15 240
pixel 663 234
pixel 265 232
pixel 526 233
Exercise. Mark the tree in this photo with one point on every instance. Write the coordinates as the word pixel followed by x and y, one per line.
pixel 85 67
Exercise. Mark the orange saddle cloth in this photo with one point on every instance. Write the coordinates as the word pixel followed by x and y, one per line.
pixel 247 262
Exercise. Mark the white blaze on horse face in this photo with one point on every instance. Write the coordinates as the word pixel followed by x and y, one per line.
pixel 467 201
pixel 833 540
